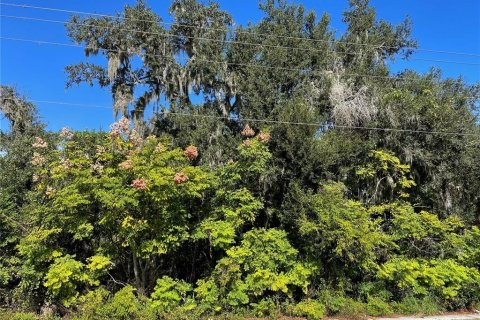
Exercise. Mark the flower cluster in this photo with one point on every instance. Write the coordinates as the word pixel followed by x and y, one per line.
pixel 247 143
pixel 135 138
pixel 126 165
pixel 117 128
pixel 39 143
pixel 263 137
pixel 37 159
pixel 124 124
pixel 139 184
pixel 191 152
pixel 180 178
pixel 247 131
pixel 114 130
pixel 66 133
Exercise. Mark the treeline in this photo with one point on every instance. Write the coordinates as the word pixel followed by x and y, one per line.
pixel 238 205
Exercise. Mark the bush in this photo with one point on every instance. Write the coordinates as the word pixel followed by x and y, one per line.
pixel 265 307
pixel 353 309
pixel 378 307
pixel 333 301
pixel 422 306
pixel 23 316
pixel 447 279
pixel 264 262
pixel 170 294
pixel 124 304
pixel 311 309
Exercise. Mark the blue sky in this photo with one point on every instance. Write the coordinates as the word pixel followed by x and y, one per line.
pixel 38 70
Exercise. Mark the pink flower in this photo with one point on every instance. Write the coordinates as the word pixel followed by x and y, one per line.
pixel 39 143
pixel 125 165
pixel 124 125
pixel 114 130
pixel 66 133
pixel 139 184
pixel 37 159
pixel 191 152
pixel 135 138
pixel 247 143
pixel 263 137
pixel 247 131
pixel 117 128
pixel 180 178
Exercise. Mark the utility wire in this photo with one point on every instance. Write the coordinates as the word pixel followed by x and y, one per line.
pixel 314 124
pixel 226 29
pixel 250 65
pixel 220 40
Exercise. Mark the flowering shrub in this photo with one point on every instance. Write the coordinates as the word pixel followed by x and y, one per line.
pixel 116 210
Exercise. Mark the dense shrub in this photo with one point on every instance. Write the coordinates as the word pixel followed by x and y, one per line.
pixel 256 201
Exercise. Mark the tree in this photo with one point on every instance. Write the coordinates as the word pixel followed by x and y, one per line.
pixel 15 181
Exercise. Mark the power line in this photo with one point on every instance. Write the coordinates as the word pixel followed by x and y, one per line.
pixel 221 41
pixel 250 65
pixel 226 29
pixel 314 124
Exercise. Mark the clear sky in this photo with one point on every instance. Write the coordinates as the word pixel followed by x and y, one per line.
pixel 38 70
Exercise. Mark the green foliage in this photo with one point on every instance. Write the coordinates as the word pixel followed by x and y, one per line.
pixel 266 307
pixel 334 226
pixel 169 294
pixel 309 309
pixel 217 214
pixel 422 234
pixel 63 277
pixel 333 300
pixel 263 262
pixel 426 305
pixel 385 177
pixel 378 307
pixel 443 277
pixel 471 254
pixel 66 275
pixel 24 316
pixel 123 305
pixel 353 309
pixel 100 304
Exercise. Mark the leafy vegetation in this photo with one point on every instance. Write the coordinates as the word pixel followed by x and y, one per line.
pixel 199 211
